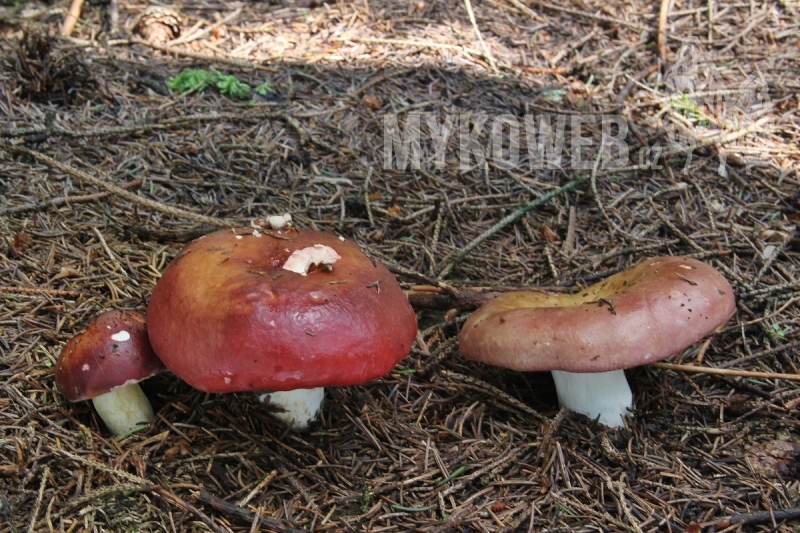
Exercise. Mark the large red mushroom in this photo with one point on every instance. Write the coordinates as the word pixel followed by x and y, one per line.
pixel 105 364
pixel 638 316
pixel 278 310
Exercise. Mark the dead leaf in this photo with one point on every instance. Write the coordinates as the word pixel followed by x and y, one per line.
pixel 496 507
pixel 66 272
pixel 549 235
pixel 9 470
pixel 20 244
pixel 170 454
pixel 184 447
pixel 373 102
pixel 218 33
pixel 772 235
pixel 776 459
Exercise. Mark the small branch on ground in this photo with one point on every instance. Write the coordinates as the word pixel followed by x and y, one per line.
pixel 105 184
pixel 147 234
pixel 66 200
pixel 513 217
pixel 467 298
pixel 31 291
pixel 497 394
pixel 258 65
pixel 760 517
pixel 71 18
pixel 486 52
pixel 169 497
pixel 726 371
pixel 663 17
pixel 232 509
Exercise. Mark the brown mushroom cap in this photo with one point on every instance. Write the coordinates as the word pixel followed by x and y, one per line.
pixel 225 316
pixel 638 316
pixel 113 351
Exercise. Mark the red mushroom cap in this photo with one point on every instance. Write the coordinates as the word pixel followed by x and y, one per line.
pixel 638 316
pixel 114 350
pixel 226 316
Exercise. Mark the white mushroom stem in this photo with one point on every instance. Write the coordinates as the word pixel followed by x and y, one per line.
pixel 606 394
pixel 124 408
pixel 297 408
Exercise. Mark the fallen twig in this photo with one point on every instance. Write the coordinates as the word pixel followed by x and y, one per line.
pixel 663 16
pixel 476 384
pixel 760 517
pixel 547 5
pixel 56 130
pixel 726 371
pixel 66 200
pixel 466 299
pixel 232 509
pixel 147 234
pixel 455 258
pixel 7 289
pixel 119 191
pixel 486 52
pixel 175 500
pixel 258 65
pixel 71 18
pixel 513 217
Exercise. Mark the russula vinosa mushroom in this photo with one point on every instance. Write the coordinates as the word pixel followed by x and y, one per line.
pixel 278 310
pixel 105 364
pixel 641 315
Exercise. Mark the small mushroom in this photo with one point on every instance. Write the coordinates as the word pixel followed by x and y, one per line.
pixel 278 310
pixel 105 364
pixel 635 317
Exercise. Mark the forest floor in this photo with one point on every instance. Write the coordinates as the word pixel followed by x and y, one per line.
pixel 703 95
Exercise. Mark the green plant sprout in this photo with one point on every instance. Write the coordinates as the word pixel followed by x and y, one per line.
pixel 232 87
pixel 688 108
pixel 366 496
pixel 264 88
pixel 781 332
pixel 229 85
pixel 191 80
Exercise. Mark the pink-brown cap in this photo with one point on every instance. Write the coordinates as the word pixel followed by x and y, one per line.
pixel 114 350
pixel 228 315
pixel 638 316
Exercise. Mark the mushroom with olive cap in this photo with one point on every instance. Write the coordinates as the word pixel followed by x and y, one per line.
pixel 278 310
pixel 640 315
pixel 105 364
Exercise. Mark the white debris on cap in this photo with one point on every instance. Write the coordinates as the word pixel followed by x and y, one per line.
pixel 121 336
pixel 319 254
pixel 279 221
pixel 275 222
